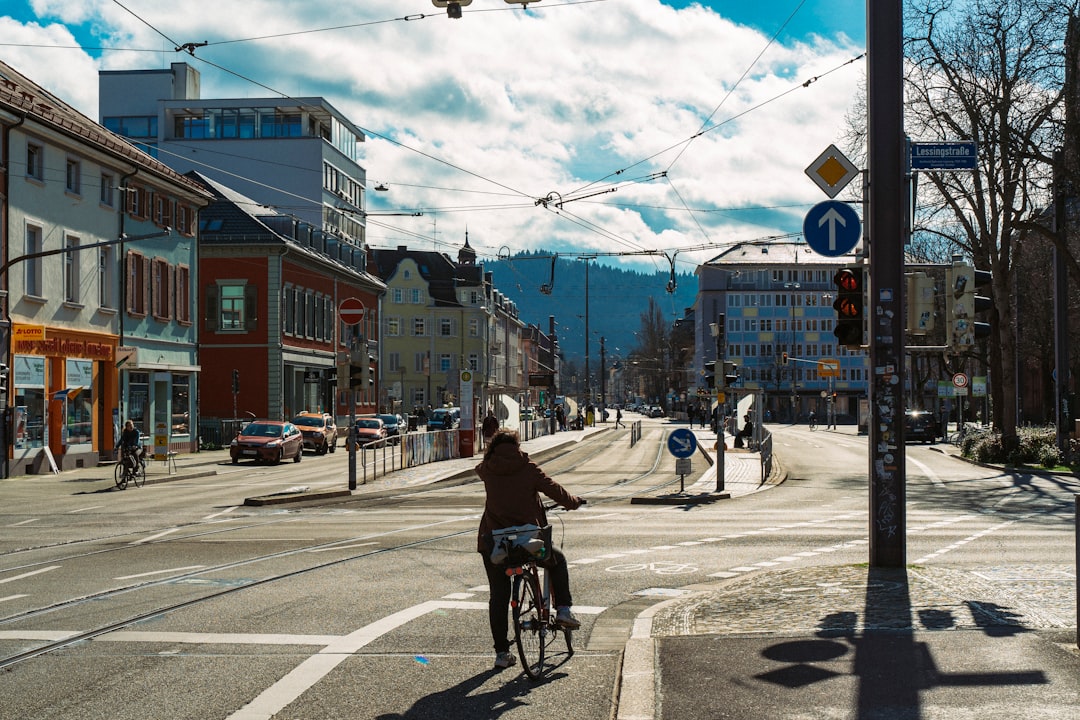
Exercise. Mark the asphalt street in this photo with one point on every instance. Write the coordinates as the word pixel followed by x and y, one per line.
pixel 823 642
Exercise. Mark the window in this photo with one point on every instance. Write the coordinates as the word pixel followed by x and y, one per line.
pixel 446 327
pixel 161 294
pixel 419 327
pixel 35 161
pixel 420 363
pixel 181 404
pixel 445 362
pixel 232 307
pixel 73 176
pixel 182 294
pixel 163 210
pixel 393 327
pixel 137 292
pixel 474 362
pixel 393 360
pixel 33 265
pixel 71 269
pixel 398 295
pixel 105 277
pixel 107 197
pixel 474 327
pixel 417 296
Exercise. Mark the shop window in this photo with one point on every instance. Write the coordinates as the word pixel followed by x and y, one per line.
pixel 78 418
pixel 181 404
pixel 138 398
pixel 28 379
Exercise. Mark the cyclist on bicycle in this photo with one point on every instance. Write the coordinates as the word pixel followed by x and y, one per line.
pixel 130 441
pixel 513 483
pixel 813 418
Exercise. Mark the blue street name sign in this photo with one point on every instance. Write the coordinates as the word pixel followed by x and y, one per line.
pixel 681 443
pixel 832 228
pixel 955 155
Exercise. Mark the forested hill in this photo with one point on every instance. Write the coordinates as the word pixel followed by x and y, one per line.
pixel 617 298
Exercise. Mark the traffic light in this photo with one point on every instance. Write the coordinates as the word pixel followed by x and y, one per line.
pixel 358 376
pixel 3 378
pixel 849 306
pixel 962 304
pixel 235 381
pixel 731 375
pixel 920 303
pixel 710 374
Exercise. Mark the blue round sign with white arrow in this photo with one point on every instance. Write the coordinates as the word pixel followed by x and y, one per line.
pixel 681 443
pixel 832 228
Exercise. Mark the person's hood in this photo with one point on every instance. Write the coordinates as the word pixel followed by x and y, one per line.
pixel 505 459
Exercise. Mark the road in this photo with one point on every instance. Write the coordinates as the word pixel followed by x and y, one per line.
pixel 177 601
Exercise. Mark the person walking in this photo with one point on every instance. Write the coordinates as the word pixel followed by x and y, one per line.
pixel 618 418
pixel 489 426
pixel 512 485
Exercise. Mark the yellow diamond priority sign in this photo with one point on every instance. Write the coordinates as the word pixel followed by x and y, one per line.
pixel 832 171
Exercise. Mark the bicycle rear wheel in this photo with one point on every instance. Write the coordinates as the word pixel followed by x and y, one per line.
pixel 530 629
pixel 120 477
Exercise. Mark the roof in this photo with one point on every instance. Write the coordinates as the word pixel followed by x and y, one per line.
pixel 776 253
pixel 22 96
pixel 442 274
pixel 231 219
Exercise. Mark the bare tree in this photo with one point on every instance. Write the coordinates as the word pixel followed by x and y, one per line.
pixel 651 355
pixel 991 71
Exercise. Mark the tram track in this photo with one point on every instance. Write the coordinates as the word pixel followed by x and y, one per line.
pixel 577 464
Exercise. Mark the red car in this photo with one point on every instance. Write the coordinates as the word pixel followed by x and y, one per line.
pixel 268 441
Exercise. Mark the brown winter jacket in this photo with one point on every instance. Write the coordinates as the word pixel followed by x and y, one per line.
pixel 513 482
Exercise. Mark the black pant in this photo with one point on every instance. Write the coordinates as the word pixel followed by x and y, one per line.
pixel 499 595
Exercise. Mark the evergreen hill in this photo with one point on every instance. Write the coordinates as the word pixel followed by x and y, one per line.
pixel 617 299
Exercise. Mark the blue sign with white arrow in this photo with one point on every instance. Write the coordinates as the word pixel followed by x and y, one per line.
pixel 681 443
pixel 832 228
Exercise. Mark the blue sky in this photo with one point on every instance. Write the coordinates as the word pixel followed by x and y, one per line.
pixel 474 120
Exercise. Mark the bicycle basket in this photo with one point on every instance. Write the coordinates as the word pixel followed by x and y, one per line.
pixel 521 544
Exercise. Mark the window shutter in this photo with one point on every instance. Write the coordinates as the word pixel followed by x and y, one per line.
pixel 147 280
pixel 171 296
pixel 130 286
pixel 213 308
pixel 251 309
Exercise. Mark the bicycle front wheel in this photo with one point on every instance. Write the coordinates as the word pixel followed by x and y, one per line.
pixel 120 477
pixel 138 474
pixel 530 626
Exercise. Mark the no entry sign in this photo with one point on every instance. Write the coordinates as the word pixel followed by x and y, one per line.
pixel 351 311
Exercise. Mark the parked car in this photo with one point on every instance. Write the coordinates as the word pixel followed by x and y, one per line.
pixel 395 427
pixel 921 425
pixel 370 431
pixel 319 431
pixel 267 441
pixel 444 418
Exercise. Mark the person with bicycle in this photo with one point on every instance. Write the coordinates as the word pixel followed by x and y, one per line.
pixel 512 484
pixel 130 444
pixel 813 419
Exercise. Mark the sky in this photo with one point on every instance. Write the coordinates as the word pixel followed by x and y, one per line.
pixel 610 127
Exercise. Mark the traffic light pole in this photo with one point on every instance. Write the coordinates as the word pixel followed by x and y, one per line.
pixel 886 223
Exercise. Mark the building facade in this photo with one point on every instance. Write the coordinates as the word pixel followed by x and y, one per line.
pixel 269 322
pixel 98 242
pixel 774 303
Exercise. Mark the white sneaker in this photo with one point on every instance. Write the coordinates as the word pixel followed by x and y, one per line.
pixel 504 660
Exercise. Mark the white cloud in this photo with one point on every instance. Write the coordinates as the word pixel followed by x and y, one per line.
pixel 533 103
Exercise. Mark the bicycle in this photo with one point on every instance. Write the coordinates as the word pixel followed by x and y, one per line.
pixel 131 468
pixel 535 627
pixel 813 423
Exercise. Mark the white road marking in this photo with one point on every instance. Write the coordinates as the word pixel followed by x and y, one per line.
pixel 29 574
pixel 926 471
pixel 154 537
pixel 92 507
pixel 12 597
pixel 343 547
pixel 24 522
pixel 159 572
pixel 226 511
